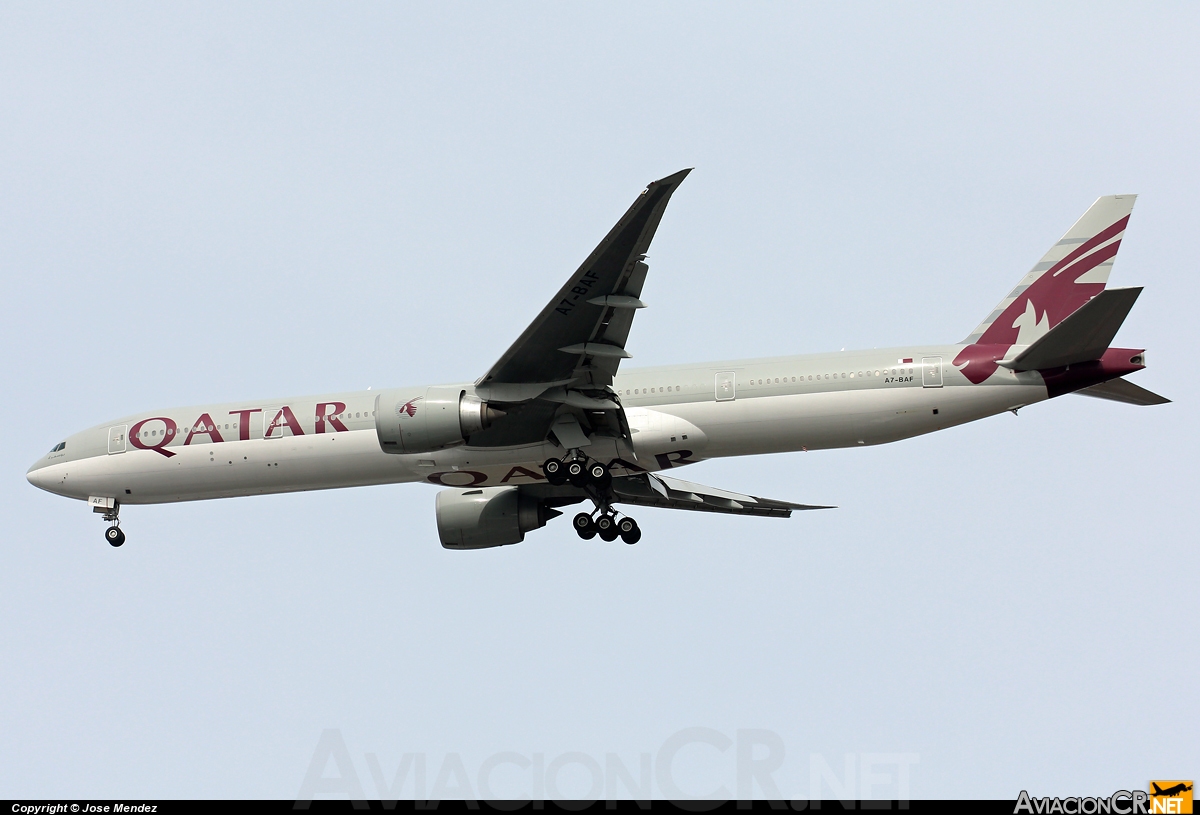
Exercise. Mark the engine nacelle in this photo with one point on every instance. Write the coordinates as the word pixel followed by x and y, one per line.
pixel 445 416
pixel 488 516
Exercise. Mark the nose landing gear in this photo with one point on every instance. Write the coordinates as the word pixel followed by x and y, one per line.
pixel 110 508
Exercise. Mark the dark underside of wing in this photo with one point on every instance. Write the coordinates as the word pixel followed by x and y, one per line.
pixel 652 490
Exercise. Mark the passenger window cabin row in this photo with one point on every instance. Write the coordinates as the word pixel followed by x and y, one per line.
pixel 786 380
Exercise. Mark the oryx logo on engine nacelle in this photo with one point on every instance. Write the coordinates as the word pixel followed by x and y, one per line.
pixel 409 407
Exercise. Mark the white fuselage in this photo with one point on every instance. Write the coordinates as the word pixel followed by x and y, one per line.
pixel 678 415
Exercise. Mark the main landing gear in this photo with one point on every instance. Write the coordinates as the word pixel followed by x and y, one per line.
pixel 607 526
pixel 594 477
pixel 577 471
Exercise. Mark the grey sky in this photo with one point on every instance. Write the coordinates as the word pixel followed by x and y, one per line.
pixel 205 202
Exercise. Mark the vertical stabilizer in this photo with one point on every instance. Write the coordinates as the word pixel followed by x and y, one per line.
pixel 1071 273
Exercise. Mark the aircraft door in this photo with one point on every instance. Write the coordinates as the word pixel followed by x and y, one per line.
pixel 271 425
pixel 726 386
pixel 931 372
pixel 116 439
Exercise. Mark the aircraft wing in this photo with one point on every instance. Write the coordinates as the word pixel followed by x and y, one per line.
pixel 578 339
pixel 564 362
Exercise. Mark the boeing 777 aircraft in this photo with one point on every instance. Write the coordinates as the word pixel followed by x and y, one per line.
pixel 554 422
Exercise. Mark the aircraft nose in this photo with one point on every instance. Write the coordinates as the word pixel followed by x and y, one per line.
pixel 36 475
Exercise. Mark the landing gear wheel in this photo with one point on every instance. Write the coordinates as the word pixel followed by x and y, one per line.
pixel 606 527
pixel 114 535
pixel 553 470
pixel 584 526
pixel 629 531
pixel 576 473
pixel 598 474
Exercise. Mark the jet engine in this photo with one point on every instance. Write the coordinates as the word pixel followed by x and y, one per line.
pixel 445 416
pixel 488 516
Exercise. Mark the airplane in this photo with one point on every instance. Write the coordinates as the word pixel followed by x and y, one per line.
pixel 556 422
pixel 1169 792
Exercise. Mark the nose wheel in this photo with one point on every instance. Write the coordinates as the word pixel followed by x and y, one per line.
pixel 114 535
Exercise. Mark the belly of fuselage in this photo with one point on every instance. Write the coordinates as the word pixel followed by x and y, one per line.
pixel 820 421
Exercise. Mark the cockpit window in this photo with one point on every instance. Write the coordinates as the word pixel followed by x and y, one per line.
pixel 62 445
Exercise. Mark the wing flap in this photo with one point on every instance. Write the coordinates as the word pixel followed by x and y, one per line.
pixel 650 490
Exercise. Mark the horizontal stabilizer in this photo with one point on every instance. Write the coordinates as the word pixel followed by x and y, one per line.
pixel 1083 336
pixel 649 490
pixel 1122 390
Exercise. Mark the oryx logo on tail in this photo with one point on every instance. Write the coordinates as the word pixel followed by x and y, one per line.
pixel 1069 275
